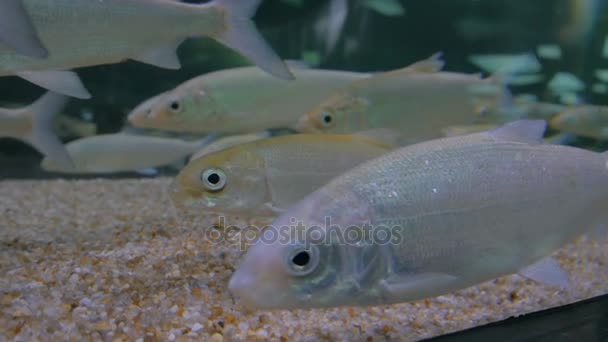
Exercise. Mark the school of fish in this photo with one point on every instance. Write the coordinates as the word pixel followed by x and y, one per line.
pixel 446 178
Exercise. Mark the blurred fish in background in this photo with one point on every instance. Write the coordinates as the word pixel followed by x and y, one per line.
pixel 34 125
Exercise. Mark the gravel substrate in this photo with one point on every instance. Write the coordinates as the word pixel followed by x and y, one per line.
pixel 113 260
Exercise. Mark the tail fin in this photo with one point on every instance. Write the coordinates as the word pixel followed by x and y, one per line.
pixel 241 35
pixel 42 137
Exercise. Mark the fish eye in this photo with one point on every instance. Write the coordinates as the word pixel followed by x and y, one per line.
pixel 213 179
pixel 326 119
pixel 175 106
pixel 301 262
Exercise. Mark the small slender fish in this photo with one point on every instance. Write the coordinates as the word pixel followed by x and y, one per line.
pixel 227 142
pixel 17 31
pixel 34 125
pixel 111 153
pixel 267 176
pixel 416 104
pixel 239 100
pixel 587 121
pixel 81 33
pixel 429 219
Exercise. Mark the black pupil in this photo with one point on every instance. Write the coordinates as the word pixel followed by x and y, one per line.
pixel 174 105
pixel 213 178
pixel 327 119
pixel 301 259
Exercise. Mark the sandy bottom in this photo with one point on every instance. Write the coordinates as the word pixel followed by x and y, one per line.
pixel 112 260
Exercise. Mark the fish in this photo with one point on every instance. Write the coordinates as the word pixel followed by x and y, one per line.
pixel 227 142
pixel 239 100
pixel 34 125
pixel 17 31
pixel 453 131
pixel 586 121
pixel 119 152
pixel 265 177
pixel 416 104
pixel 428 219
pixel 83 33
pixel 522 107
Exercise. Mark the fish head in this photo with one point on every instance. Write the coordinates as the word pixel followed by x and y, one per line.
pixel 230 181
pixel 341 113
pixel 297 262
pixel 189 108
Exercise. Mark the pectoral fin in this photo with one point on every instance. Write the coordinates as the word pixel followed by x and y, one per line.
pixel 547 271
pixel 17 30
pixel 162 57
pixel 415 286
pixel 61 82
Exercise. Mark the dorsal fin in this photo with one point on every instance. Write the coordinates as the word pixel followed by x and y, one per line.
pixel 384 136
pixel 430 65
pixel 525 131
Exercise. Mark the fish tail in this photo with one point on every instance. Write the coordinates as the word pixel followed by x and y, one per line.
pixel 242 35
pixel 41 136
pixel 501 79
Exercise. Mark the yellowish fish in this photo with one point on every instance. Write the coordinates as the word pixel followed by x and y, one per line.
pixel 416 104
pixel 110 153
pixel 239 100
pixel 267 176
pixel 81 33
pixel 227 142
pixel 586 121
pixel 34 125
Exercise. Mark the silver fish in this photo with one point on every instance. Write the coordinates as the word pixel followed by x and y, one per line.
pixel 17 31
pixel 110 153
pixel 34 125
pixel 453 212
pixel 83 33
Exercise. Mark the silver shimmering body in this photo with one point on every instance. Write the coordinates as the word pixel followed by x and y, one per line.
pixel 468 209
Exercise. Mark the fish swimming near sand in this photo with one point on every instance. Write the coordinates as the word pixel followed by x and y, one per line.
pixel 112 153
pixel 83 33
pixel 34 125
pixel 416 104
pixel 440 216
pixel 586 121
pixel 17 31
pixel 267 176
pixel 245 100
